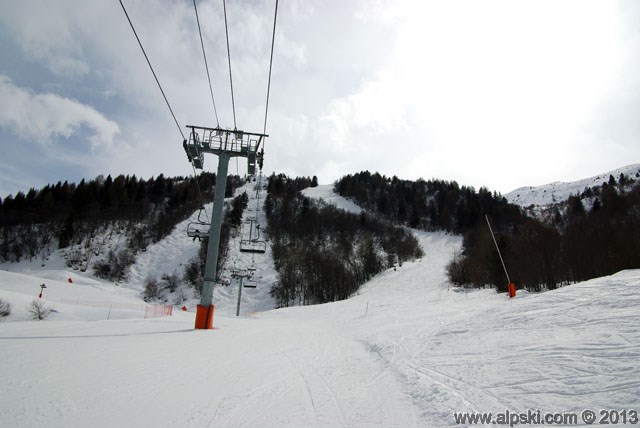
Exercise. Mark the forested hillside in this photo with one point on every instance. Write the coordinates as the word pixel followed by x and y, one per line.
pixel 573 244
pixel 323 253
pixel 427 205
pixel 79 217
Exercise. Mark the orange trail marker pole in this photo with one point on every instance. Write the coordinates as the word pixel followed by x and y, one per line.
pixel 511 287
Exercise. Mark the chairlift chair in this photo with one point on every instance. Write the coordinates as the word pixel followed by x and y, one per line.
pixel 192 149
pixel 257 237
pixel 199 229
pixel 251 164
pixel 252 246
pixel 250 283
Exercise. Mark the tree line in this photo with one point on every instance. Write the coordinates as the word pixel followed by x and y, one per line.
pixel 573 244
pixel 426 205
pixel 73 216
pixel 323 253
pixel 578 245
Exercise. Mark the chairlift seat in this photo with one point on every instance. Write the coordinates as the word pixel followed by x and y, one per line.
pixel 250 284
pixel 250 246
pixel 197 230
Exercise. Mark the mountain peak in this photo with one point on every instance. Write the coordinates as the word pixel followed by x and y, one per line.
pixel 559 191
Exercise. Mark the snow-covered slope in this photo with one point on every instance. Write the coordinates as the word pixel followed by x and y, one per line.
pixel 560 191
pixel 165 257
pixel 253 299
pixel 325 192
pixel 84 299
pixel 172 254
pixel 407 351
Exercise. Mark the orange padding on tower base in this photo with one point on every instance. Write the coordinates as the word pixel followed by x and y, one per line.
pixel 512 290
pixel 204 317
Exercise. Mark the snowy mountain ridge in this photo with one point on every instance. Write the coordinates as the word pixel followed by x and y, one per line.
pixel 559 191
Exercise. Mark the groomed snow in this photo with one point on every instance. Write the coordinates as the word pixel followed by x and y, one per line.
pixel 407 351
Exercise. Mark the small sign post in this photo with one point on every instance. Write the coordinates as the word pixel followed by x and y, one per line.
pixel 42 287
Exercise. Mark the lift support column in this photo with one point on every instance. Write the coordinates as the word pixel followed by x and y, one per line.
pixel 225 144
pixel 204 315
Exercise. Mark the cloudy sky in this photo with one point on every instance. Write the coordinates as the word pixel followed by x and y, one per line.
pixel 496 93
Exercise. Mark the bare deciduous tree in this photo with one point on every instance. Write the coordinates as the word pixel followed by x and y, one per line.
pixel 39 310
pixel 5 308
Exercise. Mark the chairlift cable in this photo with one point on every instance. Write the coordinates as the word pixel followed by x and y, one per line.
pixel 152 71
pixel 206 65
pixel 226 29
pixel 273 38
pixel 195 176
pixel 165 98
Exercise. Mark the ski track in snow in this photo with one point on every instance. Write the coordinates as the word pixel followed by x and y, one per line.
pixel 407 351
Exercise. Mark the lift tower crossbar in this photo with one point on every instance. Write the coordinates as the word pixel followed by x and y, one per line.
pixel 219 141
pixel 225 144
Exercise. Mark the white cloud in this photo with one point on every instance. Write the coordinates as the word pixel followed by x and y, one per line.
pixel 495 93
pixel 491 93
pixel 42 31
pixel 44 117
